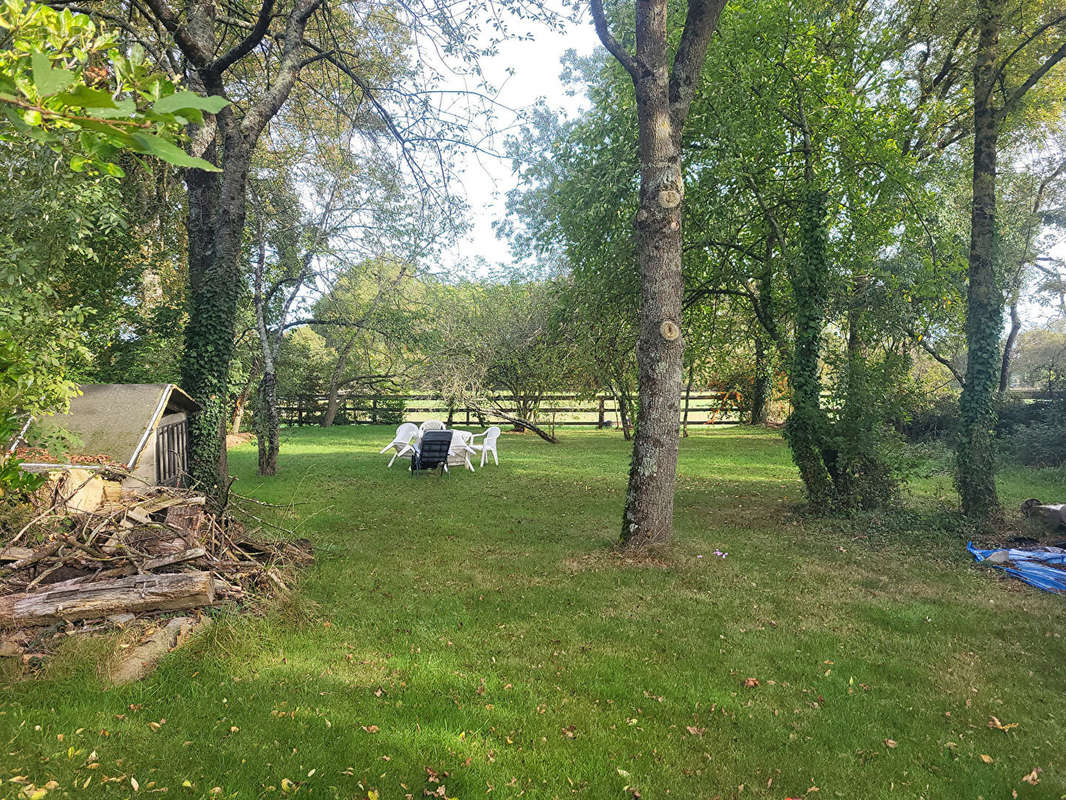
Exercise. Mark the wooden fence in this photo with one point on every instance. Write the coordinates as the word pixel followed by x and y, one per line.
pixel 555 410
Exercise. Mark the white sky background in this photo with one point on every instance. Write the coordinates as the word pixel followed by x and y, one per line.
pixel 486 180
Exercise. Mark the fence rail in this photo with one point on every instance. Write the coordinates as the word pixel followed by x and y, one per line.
pixel 554 410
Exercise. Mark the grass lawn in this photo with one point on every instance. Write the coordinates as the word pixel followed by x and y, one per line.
pixel 476 635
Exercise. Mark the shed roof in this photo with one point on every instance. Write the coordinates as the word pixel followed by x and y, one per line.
pixel 117 419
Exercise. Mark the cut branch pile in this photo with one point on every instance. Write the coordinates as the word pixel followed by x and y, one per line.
pixel 95 552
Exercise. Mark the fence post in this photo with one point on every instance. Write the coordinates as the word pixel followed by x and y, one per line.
pixel 600 422
pixel 374 411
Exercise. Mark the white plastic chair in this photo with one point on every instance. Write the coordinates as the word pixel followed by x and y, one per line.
pixel 462 447
pixel 488 445
pixel 401 442
pixel 430 425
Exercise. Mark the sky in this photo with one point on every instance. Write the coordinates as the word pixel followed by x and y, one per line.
pixel 486 180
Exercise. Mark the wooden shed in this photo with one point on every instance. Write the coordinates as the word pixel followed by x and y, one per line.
pixel 142 426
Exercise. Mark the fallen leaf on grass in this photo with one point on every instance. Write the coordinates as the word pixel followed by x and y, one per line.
pixel 371 728
pixel 890 743
pixel 1033 777
pixel 570 732
pixel 986 758
pixel 695 731
pixel 751 683
pixel 995 724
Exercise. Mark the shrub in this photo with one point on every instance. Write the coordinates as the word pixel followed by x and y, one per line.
pixel 1034 434
pixel 934 420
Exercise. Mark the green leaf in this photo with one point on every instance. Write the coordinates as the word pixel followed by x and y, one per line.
pixel 84 97
pixel 119 110
pixel 47 80
pixel 186 99
pixel 152 145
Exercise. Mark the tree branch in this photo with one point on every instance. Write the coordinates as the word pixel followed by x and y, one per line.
pixel 614 47
pixel 1032 81
pixel 249 43
pixel 189 47
pixel 700 22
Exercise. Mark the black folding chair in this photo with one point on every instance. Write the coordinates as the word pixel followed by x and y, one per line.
pixel 432 451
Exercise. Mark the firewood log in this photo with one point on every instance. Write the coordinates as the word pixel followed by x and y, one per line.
pixel 102 598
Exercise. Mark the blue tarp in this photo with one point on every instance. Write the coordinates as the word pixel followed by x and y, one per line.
pixel 1030 566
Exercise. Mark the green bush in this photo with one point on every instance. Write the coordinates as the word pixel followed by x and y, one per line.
pixel 934 420
pixel 1034 434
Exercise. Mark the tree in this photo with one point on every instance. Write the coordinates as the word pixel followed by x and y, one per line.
pixel 378 300
pixel 1041 359
pixel 293 248
pixel 1005 73
pixel 664 92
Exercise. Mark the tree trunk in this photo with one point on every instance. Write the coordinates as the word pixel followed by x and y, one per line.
pixel 335 382
pixel 625 410
pixel 806 424
pixel 267 424
pixel 664 92
pixel 649 510
pixel 522 424
pixel 976 475
pixel 239 405
pixel 688 397
pixel 763 384
pixel 216 226
pixel 1008 346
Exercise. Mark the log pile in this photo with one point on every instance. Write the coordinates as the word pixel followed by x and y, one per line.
pixel 94 552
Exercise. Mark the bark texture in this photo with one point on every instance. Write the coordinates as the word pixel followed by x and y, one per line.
pixel 664 92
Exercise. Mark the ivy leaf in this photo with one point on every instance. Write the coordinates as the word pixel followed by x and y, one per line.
pixel 49 81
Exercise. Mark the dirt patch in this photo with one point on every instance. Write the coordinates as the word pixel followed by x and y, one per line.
pixel 613 557
pixel 235 439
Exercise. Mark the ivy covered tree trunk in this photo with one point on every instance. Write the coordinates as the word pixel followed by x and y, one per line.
pixel 216 224
pixel 664 93
pixel 217 203
pixel 976 475
pixel 805 428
